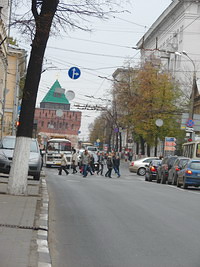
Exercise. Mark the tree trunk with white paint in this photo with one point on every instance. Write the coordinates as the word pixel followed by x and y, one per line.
pixel 17 184
pixel 19 170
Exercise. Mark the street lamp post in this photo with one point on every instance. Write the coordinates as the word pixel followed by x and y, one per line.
pixel 191 110
pixel 191 113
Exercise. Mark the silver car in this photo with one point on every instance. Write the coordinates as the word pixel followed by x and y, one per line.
pixel 139 166
pixel 7 146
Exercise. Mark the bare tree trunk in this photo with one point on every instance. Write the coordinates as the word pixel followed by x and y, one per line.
pixel 148 150
pixel 19 170
pixel 142 145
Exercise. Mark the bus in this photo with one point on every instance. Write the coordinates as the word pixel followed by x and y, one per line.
pixel 192 150
pixel 54 148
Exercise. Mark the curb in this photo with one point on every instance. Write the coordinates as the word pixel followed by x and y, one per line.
pixel 44 258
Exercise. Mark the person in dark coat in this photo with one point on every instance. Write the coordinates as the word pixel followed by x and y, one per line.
pixel 109 163
pixel 91 165
pixel 116 163
pixel 101 163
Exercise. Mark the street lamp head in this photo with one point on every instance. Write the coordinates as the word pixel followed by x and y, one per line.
pixel 184 53
pixel 178 53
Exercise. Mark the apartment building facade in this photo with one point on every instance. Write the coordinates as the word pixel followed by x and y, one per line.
pixel 16 71
pixel 173 40
pixel 4 18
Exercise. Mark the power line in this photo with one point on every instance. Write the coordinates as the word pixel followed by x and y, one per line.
pixel 85 53
pixel 97 42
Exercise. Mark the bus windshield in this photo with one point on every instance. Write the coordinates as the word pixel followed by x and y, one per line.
pixel 58 146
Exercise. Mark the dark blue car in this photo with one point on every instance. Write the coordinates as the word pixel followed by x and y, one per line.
pixel 189 175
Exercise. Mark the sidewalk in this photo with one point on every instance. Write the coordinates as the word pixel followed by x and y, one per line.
pixel 24 226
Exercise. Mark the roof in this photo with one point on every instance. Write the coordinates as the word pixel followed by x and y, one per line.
pixel 161 19
pixel 50 97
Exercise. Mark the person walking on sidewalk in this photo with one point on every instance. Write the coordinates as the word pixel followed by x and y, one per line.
pixel 109 163
pixel 63 165
pixel 74 161
pixel 85 159
pixel 116 163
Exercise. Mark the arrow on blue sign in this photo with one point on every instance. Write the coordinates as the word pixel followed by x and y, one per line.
pixel 74 73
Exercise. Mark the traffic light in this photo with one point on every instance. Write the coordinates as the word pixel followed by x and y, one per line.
pixel 17 123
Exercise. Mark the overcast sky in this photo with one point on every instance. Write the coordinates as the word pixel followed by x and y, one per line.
pixel 98 54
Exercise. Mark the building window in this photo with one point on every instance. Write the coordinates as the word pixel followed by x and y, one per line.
pixel 72 126
pixel 42 123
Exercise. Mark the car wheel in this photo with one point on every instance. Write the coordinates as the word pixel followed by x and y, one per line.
pixel 163 179
pixel 146 178
pixel 36 177
pixel 185 186
pixel 150 178
pixel 141 171
pixel 177 182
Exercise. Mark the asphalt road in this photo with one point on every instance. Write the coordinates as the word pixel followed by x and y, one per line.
pixel 122 222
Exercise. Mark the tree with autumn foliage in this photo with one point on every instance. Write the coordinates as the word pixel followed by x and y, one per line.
pixel 103 128
pixel 149 95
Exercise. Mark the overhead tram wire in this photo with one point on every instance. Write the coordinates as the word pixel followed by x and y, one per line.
pixel 63 62
pixel 86 53
pixel 98 42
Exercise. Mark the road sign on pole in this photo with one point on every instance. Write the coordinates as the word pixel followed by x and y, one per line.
pixel 74 73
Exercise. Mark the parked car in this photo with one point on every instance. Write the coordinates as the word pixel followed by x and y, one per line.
pixel 189 175
pixel 163 170
pixel 178 164
pixel 7 145
pixel 138 166
pixel 151 170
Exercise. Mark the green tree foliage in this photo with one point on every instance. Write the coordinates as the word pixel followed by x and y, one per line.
pixel 150 95
pixel 103 127
pixel 97 131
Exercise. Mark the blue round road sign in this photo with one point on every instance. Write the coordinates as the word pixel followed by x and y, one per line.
pixel 190 123
pixel 74 73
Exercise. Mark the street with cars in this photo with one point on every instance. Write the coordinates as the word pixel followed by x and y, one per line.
pixel 173 170
pixel 123 221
